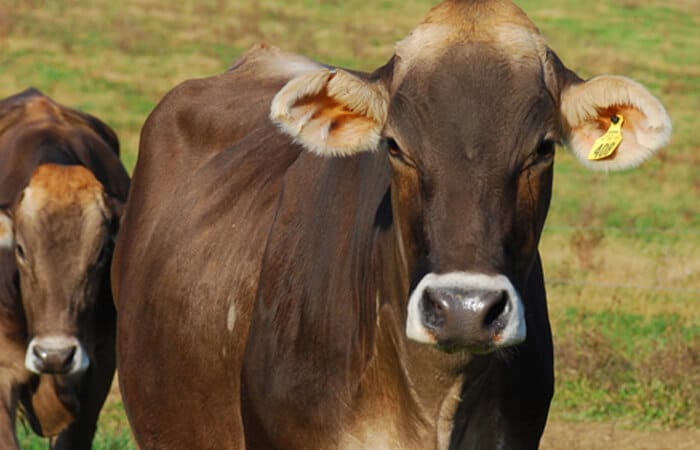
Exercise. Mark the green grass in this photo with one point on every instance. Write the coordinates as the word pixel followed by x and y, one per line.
pixel 112 431
pixel 634 293
pixel 102 441
pixel 629 368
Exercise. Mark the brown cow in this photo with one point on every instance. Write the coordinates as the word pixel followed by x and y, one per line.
pixel 62 188
pixel 364 273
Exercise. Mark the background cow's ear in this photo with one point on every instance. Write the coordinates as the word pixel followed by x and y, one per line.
pixel 587 110
pixel 116 209
pixel 7 234
pixel 332 112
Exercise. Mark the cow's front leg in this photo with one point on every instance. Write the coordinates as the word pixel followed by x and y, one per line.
pixel 8 412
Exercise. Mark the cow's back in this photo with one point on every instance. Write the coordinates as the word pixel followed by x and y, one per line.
pixel 209 174
pixel 35 130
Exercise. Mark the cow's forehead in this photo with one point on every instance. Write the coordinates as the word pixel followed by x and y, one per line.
pixel 497 24
pixel 54 188
pixel 476 101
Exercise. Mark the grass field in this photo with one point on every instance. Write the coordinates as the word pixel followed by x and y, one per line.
pixel 621 251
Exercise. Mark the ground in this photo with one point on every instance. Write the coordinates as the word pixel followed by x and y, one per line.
pixel 560 435
pixel 611 435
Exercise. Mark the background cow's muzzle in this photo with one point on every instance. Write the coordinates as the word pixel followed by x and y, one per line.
pixel 473 311
pixel 56 355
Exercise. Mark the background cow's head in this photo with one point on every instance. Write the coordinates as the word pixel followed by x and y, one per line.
pixel 61 230
pixel 469 111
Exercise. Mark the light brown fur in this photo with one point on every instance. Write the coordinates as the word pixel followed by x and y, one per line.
pixel 6 234
pixel 54 187
pixel 498 23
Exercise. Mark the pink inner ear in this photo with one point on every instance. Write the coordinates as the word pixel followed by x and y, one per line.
pixel 633 117
pixel 587 132
pixel 350 128
pixel 330 121
pixel 586 111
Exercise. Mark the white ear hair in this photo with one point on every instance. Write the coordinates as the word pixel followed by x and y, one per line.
pixel 331 112
pixel 646 128
pixel 7 235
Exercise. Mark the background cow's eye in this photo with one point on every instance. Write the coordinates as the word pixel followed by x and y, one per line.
pixel 19 252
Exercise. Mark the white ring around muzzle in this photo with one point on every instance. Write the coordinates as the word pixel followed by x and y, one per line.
pixel 515 329
pixel 79 363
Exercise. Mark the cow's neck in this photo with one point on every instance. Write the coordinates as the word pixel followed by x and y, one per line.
pixel 406 385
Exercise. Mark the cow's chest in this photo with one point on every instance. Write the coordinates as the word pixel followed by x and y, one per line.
pixel 383 435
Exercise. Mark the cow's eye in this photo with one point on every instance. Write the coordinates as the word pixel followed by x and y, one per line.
pixel 545 149
pixel 393 148
pixel 397 154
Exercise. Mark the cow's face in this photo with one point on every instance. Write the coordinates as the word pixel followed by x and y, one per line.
pixel 469 112
pixel 61 235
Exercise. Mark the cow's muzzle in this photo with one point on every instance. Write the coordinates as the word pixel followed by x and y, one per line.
pixel 461 310
pixel 56 355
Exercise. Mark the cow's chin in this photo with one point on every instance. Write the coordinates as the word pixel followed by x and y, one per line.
pixel 475 349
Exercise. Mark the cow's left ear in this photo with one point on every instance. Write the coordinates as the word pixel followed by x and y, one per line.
pixel 332 112
pixel 590 108
pixel 7 234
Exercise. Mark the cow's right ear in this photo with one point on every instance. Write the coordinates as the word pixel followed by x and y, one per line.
pixel 590 108
pixel 332 112
pixel 7 234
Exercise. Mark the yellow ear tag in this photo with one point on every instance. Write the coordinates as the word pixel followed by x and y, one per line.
pixel 606 145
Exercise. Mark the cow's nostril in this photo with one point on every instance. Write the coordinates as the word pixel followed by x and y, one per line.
pixel 433 309
pixel 497 305
pixel 68 355
pixel 40 352
pixel 54 360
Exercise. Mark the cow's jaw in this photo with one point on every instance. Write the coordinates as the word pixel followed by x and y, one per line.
pixel 474 311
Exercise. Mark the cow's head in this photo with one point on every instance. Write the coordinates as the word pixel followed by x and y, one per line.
pixel 61 229
pixel 469 111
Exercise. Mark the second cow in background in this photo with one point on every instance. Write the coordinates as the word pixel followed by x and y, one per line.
pixel 62 188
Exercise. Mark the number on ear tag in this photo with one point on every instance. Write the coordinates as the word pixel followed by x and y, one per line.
pixel 606 145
